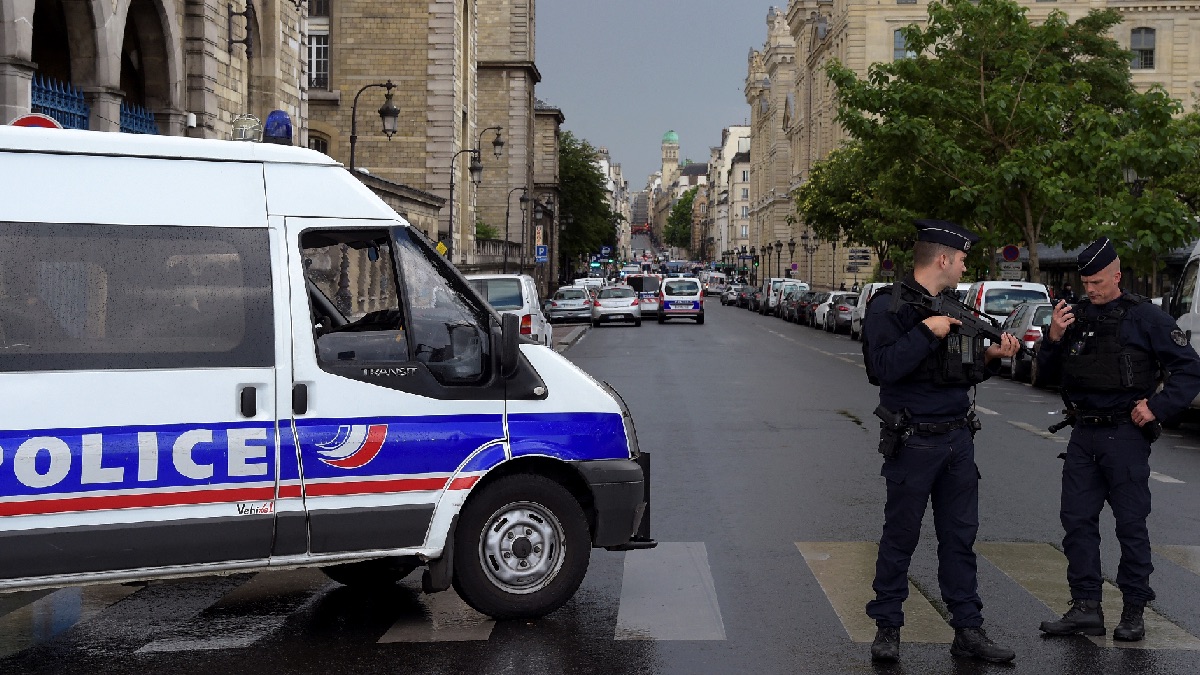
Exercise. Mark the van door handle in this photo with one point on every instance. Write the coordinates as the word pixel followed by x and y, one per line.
pixel 249 402
pixel 299 399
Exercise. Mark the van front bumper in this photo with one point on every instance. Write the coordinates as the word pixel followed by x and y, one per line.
pixel 621 502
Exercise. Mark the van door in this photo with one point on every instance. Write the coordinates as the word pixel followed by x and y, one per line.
pixel 394 378
pixel 138 428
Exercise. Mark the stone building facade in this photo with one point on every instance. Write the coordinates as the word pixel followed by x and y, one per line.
pixel 544 222
pixel 801 113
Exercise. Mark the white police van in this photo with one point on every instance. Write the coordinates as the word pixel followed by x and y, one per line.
pixel 220 356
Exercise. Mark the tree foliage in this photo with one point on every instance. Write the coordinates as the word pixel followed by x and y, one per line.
pixel 678 231
pixel 584 212
pixel 1017 130
pixel 485 231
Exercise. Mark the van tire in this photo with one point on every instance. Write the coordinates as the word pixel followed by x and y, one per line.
pixel 372 573
pixel 556 538
pixel 661 318
pixel 700 318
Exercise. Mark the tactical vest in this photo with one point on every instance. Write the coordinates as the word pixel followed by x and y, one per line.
pixel 1098 360
pixel 957 362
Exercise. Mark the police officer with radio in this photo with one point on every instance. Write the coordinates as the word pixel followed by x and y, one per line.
pixel 925 370
pixel 1110 351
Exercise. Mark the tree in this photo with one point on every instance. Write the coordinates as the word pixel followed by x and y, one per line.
pixel 678 231
pixel 1016 129
pixel 485 231
pixel 584 211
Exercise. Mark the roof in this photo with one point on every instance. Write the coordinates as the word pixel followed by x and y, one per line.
pixel 694 169
pixel 671 137
pixel 74 141
pixel 741 157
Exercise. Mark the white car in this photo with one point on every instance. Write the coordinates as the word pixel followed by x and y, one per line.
pixel 515 294
pixel 860 309
pixel 785 288
pixel 571 302
pixel 681 298
pixel 997 299
pixel 616 303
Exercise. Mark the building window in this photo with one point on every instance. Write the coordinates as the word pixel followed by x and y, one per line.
pixel 745 211
pixel 745 231
pixel 900 48
pixel 318 8
pixel 745 176
pixel 906 2
pixel 1141 43
pixel 745 193
pixel 318 61
pixel 318 143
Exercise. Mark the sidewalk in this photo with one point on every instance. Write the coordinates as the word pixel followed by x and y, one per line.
pixel 567 335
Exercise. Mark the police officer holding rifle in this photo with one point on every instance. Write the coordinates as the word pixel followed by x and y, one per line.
pixel 1111 350
pixel 925 366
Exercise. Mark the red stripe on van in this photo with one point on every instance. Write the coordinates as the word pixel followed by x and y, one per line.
pixel 146 500
pixel 374 487
pixel 463 483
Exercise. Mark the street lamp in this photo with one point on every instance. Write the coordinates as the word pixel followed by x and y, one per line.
pixel 388 113
pixel 791 251
pixel 507 211
pixel 476 172
pixel 1136 185
pixel 753 266
pixel 779 257
pixel 810 244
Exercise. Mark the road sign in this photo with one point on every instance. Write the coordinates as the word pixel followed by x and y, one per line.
pixel 1010 266
pixel 853 268
pixel 887 274
pixel 1011 253
pixel 1012 275
pixel 859 256
pixel 441 248
pixel 795 266
pixel 541 254
pixel 860 250
pixel 887 266
pixel 36 120
pixel 605 250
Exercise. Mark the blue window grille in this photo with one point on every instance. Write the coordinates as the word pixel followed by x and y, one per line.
pixel 60 101
pixel 137 120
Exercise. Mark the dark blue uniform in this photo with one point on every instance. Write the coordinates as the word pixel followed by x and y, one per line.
pixel 937 466
pixel 1109 459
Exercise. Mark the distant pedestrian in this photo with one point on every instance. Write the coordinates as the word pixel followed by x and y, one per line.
pixel 842 287
pixel 1067 294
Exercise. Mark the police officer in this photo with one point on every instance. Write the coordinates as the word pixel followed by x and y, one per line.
pixel 1110 350
pixel 908 354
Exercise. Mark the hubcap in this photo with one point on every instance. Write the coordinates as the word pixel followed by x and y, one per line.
pixel 521 550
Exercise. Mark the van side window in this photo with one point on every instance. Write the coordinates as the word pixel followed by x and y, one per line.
pixel 355 301
pixel 92 297
pixel 1185 293
pixel 449 328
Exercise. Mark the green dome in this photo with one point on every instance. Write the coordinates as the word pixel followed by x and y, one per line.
pixel 671 137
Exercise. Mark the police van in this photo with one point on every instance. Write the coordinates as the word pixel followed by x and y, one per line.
pixel 220 357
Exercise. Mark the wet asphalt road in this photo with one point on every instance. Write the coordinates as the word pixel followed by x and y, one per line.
pixel 763 448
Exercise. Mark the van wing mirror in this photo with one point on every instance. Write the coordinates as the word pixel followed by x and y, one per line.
pixel 510 340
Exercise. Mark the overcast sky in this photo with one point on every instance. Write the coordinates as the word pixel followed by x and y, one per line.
pixel 626 71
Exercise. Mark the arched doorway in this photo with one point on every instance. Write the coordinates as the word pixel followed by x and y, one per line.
pixel 64 49
pixel 145 78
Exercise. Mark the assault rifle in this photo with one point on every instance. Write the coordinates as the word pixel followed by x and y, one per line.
pixel 973 325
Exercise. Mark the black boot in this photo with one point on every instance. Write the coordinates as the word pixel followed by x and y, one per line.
pixel 1131 628
pixel 1085 617
pixel 886 646
pixel 975 643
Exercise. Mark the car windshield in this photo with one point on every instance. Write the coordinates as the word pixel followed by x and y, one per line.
pixel 1041 315
pixel 848 300
pixel 617 293
pixel 1001 301
pixel 682 288
pixel 501 294
pixel 643 284
pixel 571 294
pixel 775 285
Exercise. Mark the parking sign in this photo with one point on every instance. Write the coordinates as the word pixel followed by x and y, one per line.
pixel 541 253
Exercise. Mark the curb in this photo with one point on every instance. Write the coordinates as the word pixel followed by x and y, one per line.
pixel 572 336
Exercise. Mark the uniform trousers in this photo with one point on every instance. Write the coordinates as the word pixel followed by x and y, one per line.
pixel 938 468
pixel 1107 464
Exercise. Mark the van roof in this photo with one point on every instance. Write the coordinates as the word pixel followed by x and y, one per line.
pixel 79 142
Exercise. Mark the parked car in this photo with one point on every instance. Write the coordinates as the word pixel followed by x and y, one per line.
pixel 571 303
pixel 800 311
pixel 860 309
pixel 998 298
pixel 756 300
pixel 745 293
pixel 729 297
pixel 811 308
pixel 786 288
pixel 837 312
pixel 1026 323
pixel 681 298
pixel 616 303
pixel 788 305
pixel 515 294
pixel 770 296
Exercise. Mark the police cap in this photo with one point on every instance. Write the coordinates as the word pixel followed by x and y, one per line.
pixel 946 233
pixel 1098 255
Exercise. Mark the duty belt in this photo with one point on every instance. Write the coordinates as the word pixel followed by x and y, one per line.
pixel 931 428
pixel 1101 418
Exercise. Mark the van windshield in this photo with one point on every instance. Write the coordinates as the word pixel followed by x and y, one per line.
pixel 1001 301
pixel 501 294
pixel 643 284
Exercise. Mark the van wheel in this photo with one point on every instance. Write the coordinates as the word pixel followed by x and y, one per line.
pixel 661 318
pixel 700 318
pixel 370 573
pixel 521 548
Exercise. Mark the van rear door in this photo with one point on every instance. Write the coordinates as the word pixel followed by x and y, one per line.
pixel 394 382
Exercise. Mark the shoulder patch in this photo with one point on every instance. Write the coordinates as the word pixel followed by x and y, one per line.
pixel 1179 338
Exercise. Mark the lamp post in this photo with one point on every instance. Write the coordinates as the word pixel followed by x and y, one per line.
pixel 753 265
pixel 1136 185
pixel 779 257
pixel 507 211
pixel 476 171
pixel 791 252
pixel 388 113
pixel 810 244
pixel 767 249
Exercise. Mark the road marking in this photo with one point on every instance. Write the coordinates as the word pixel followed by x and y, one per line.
pixel 54 613
pixel 246 614
pixel 844 569
pixel 1187 557
pixel 1164 478
pixel 1041 569
pixel 667 593
pixel 1037 432
pixel 986 411
pixel 449 619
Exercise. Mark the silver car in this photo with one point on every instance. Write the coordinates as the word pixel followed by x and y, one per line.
pixel 571 303
pixel 617 303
